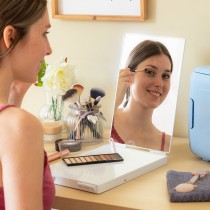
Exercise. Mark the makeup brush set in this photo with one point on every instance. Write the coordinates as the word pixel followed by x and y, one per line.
pixel 84 121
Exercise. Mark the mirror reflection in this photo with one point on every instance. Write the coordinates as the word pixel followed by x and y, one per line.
pixel 147 91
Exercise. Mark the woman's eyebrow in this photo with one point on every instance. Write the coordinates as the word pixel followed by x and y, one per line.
pixel 151 66
pixel 156 68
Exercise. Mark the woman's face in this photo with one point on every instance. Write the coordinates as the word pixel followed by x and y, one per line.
pixel 31 50
pixel 151 86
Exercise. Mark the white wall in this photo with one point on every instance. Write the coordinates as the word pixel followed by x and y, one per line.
pixel 96 46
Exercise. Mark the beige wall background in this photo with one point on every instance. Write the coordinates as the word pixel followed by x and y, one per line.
pixel 95 48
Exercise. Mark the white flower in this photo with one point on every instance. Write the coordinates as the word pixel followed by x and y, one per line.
pixel 59 78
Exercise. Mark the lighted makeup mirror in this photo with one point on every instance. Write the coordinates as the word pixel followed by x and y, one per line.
pixel 164 115
pixel 97 178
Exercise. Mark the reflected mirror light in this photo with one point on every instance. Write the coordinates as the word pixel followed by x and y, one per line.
pixel 161 114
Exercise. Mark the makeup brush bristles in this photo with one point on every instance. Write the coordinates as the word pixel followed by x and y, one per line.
pixel 95 92
pixel 69 94
pixel 78 87
pixel 139 70
pixel 72 97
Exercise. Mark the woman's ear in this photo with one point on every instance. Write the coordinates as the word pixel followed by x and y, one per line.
pixel 9 36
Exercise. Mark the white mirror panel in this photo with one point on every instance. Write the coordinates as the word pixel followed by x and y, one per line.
pixel 164 115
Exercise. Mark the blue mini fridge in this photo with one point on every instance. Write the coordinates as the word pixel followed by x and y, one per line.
pixel 199 112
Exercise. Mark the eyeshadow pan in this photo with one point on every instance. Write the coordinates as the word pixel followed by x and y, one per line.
pixel 78 160
pixel 107 157
pixel 83 159
pixel 88 158
pixel 117 155
pixel 72 160
pixel 92 159
pixel 68 161
pixel 112 156
pixel 102 157
pixel 98 158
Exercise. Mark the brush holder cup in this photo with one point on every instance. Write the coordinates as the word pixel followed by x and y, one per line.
pixel 85 125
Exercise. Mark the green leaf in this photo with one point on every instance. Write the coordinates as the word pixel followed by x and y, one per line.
pixel 41 73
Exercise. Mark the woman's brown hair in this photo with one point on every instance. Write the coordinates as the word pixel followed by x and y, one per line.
pixel 20 14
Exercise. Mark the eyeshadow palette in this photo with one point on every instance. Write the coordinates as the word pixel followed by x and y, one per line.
pixel 92 159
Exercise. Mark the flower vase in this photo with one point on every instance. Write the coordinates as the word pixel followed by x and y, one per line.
pixel 51 116
pixel 53 109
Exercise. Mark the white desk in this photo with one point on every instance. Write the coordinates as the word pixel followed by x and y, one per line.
pixel 147 192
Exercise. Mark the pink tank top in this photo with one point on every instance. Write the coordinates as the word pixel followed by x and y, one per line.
pixel 48 184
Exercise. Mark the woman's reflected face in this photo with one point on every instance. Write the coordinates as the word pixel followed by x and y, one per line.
pixel 151 86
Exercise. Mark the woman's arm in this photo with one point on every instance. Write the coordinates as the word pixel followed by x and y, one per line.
pixel 22 162
pixel 124 81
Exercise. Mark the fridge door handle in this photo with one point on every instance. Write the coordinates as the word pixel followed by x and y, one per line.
pixel 191 113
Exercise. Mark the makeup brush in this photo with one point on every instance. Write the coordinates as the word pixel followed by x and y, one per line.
pixel 95 92
pixel 88 105
pixel 79 89
pixel 136 70
pixel 139 70
pixel 71 92
pixel 97 100
pixel 72 97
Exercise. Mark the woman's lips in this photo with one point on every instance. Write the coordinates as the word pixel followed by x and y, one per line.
pixel 154 93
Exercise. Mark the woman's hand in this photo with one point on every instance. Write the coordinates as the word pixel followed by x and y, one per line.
pixel 17 92
pixel 124 82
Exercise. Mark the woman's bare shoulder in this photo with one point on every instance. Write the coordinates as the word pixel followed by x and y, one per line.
pixel 20 127
pixel 19 118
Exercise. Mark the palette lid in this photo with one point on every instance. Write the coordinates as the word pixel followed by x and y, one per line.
pixel 97 178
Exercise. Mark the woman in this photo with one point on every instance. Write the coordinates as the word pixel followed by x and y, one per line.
pixel 146 83
pixel 25 178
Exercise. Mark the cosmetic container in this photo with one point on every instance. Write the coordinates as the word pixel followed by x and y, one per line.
pixel 70 144
pixel 86 125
